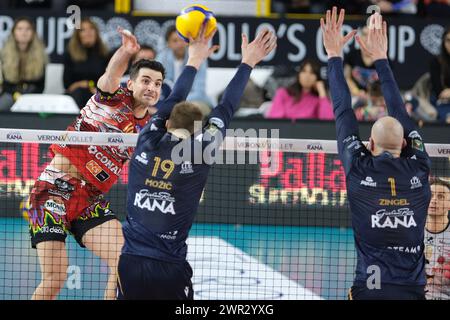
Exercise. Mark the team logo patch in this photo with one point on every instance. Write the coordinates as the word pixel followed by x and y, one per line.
pixel 186 167
pixel 417 144
pixel 415 183
pixel 97 171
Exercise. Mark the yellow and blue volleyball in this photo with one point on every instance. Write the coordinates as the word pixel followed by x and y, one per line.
pixel 190 21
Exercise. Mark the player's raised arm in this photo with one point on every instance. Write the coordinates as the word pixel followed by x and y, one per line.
pixel 334 41
pixel 199 51
pixel 252 54
pixel 110 81
pixel 376 47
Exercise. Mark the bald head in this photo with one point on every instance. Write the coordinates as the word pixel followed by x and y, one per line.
pixel 387 135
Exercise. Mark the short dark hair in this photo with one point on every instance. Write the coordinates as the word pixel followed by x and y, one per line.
pixel 440 182
pixel 147 47
pixel 169 32
pixel 184 114
pixel 149 64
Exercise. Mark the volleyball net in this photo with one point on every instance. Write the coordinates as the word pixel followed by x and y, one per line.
pixel 278 230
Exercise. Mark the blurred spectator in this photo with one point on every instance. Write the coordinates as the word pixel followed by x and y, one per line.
pixel 19 4
pixel 436 8
pixel 173 58
pixel 305 99
pixel 396 6
pixel 23 62
pixel 350 6
pixel 359 70
pixel 300 6
pixel 85 61
pixel 440 79
pixel 372 107
pixel 282 76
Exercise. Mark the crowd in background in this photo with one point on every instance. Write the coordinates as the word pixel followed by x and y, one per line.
pixel 288 93
pixel 423 8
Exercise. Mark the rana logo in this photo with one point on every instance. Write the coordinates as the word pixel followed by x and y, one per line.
pixel 393 219
pixel 161 201
pixel 13 136
pixel 115 140
pixel 314 146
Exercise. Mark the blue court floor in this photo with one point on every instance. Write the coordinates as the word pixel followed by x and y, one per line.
pixel 279 258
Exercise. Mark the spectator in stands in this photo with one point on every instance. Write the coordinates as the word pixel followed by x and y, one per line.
pixel 436 8
pixel 305 99
pixel 23 62
pixel 396 6
pixel 85 61
pixel 372 107
pixel 440 79
pixel 174 58
pixel 359 70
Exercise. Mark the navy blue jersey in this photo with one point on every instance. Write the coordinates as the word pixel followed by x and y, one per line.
pixel 388 197
pixel 164 194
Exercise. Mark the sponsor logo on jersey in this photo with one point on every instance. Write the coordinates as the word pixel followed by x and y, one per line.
pixel 104 160
pixel 393 202
pixel 153 127
pixel 415 183
pixel 142 158
pixel 186 167
pixel 94 168
pixel 13 136
pixel 162 201
pixel 55 207
pixel 63 185
pixel 368 182
pixel 159 184
pixel 53 229
pixel 406 249
pixel 171 235
pixel 64 195
pixel 393 219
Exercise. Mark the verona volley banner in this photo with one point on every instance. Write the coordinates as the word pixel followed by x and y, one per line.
pixel 411 39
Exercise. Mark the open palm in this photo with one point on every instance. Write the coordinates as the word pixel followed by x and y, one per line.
pixel 333 40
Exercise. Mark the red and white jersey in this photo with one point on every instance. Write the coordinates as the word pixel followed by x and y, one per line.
pixel 101 165
pixel 437 255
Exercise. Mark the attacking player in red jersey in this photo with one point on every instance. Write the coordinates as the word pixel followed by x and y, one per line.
pixel 68 195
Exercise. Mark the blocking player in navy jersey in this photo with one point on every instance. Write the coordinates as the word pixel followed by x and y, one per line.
pixel 164 190
pixel 387 182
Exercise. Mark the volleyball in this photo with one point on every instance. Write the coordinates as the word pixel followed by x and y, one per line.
pixel 190 21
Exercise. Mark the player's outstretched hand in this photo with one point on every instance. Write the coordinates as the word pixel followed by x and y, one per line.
pixel 376 44
pixel 258 49
pixel 333 40
pixel 199 49
pixel 129 41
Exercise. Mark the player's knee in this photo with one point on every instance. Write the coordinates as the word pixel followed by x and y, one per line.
pixel 54 279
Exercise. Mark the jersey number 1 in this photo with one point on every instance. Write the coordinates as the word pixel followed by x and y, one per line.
pixel 392 181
